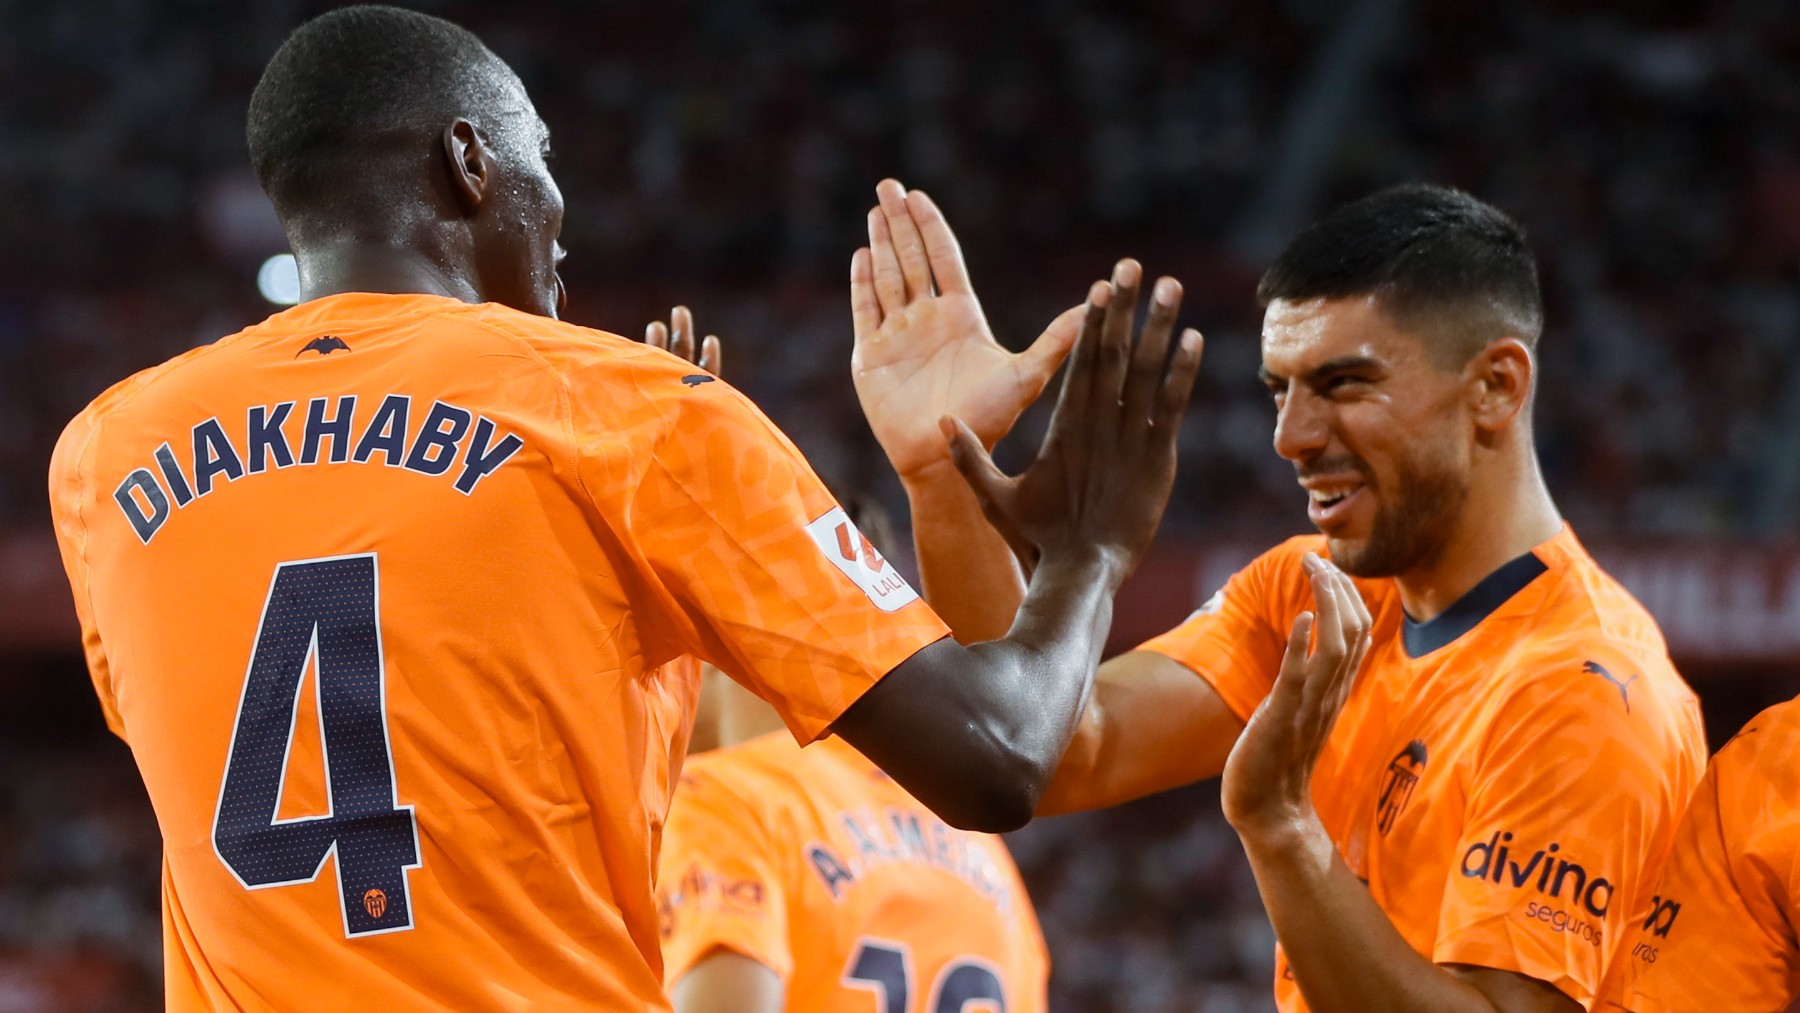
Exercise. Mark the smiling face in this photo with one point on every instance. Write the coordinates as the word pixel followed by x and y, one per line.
pixel 1379 435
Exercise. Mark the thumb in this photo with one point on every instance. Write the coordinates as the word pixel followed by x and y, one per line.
pixel 991 486
pixel 972 460
pixel 1052 347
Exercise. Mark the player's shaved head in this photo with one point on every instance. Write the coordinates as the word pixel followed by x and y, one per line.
pixel 352 84
pixel 1455 271
pixel 402 155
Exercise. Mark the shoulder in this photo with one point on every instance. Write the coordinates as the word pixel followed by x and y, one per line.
pixel 571 350
pixel 1767 745
pixel 108 407
pixel 1602 700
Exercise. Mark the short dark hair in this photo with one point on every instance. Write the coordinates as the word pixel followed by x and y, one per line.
pixel 350 79
pixel 1436 259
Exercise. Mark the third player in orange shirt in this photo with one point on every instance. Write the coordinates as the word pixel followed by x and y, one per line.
pixel 1478 828
pixel 1718 932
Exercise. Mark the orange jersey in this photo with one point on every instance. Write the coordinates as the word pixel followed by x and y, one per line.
pixel 384 592
pixel 1503 776
pixel 817 865
pixel 1718 932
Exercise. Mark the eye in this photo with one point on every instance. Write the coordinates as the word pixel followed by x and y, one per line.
pixel 1342 382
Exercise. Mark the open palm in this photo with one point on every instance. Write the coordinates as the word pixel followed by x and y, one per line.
pixel 923 347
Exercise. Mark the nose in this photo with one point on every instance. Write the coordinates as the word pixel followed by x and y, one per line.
pixel 1301 427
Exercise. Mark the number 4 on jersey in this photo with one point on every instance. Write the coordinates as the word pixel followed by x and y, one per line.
pixel 324 609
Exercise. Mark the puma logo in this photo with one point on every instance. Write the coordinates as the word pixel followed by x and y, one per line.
pixel 1595 668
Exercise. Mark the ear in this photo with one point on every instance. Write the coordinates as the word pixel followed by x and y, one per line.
pixel 468 163
pixel 1500 378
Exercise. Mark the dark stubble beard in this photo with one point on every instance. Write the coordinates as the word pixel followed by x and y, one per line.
pixel 1413 526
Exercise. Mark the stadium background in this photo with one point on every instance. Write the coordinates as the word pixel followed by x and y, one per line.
pixel 722 154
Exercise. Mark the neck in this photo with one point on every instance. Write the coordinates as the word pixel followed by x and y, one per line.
pixel 1507 515
pixel 354 264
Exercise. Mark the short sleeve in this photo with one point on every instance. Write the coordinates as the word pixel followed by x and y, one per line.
pixel 1570 804
pixel 1717 934
pixel 67 500
pixel 720 885
pixel 1234 641
pixel 756 568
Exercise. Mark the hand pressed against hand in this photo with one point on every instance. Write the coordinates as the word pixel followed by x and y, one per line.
pixel 677 337
pixel 923 347
pixel 1268 777
pixel 1102 476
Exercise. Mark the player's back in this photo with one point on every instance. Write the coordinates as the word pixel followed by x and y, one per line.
pixel 817 865
pixel 388 673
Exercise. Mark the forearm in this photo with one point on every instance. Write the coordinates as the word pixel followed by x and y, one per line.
pixel 969 574
pixel 997 715
pixel 1341 948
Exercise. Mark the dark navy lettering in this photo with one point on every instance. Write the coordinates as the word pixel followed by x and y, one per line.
pixel 178 485
pixel 144 523
pixel 337 427
pixel 435 448
pixel 266 437
pixel 386 432
pixel 213 455
pixel 478 461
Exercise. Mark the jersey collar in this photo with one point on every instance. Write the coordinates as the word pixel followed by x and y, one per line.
pixel 1467 612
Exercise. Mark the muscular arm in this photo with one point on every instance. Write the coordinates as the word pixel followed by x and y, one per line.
pixel 1151 725
pixel 727 982
pixel 975 732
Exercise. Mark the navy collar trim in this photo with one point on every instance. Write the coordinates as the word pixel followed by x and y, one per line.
pixel 1467 612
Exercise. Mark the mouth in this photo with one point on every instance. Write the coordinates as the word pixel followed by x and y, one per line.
pixel 1330 501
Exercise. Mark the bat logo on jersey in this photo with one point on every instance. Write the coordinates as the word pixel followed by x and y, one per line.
pixel 1403 774
pixel 858 559
pixel 324 346
pixel 1595 668
pixel 696 379
pixel 375 902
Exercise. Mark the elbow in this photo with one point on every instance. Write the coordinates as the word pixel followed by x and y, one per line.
pixel 997 797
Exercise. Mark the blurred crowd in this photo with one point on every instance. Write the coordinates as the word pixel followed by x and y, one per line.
pixel 724 154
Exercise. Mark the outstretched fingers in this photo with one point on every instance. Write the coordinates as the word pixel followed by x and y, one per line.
pixel 890 284
pixel 1150 359
pixel 942 250
pixel 909 246
pixel 1114 352
pixel 1071 416
pixel 1178 384
pixel 865 305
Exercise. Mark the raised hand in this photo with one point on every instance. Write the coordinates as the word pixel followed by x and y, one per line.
pixel 923 347
pixel 1102 476
pixel 1268 777
pixel 677 337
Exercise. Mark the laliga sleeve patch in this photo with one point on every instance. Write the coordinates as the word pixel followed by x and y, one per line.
pixel 856 556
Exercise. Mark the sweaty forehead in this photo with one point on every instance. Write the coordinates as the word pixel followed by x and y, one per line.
pixel 1298 336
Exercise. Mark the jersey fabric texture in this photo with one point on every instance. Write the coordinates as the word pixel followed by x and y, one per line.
pixel 1504 776
pixel 389 595
pixel 817 865
pixel 1718 933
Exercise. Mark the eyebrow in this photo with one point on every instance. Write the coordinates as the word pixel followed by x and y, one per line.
pixel 1341 364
